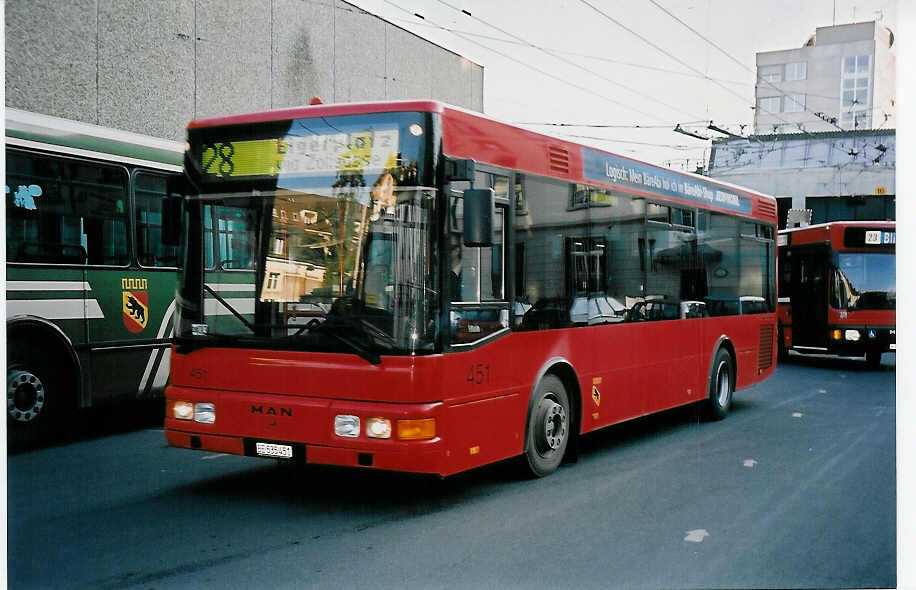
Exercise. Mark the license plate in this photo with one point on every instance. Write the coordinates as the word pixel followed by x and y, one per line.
pixel 893 347
pixel 273 450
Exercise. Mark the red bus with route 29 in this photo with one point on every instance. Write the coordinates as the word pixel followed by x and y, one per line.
pixel 415 287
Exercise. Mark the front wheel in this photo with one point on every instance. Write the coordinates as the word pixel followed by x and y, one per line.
pixel 721 386
pixel 548 427
pixel 32 397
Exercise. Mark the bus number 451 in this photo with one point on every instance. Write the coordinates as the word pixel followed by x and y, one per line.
pixel 479 374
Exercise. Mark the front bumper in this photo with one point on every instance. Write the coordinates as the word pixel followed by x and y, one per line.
pixel 306 425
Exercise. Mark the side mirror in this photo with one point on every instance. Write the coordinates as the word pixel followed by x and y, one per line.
pixel 172 209
pixel 478 217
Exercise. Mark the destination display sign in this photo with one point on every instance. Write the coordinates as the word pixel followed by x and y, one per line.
pixel 859 237
pixel 365 151
pixel 880 237
pixel 610 169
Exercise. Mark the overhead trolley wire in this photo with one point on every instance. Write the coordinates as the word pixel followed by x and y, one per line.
pixel 531 67
pixel 682 62
pixel 572 53
pixel 674 108
pixel 737 61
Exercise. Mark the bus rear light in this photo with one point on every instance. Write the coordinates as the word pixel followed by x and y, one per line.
pixel 378 428
pixel 181 410
pixel 836 334
pixel 417 429
pixel 346 425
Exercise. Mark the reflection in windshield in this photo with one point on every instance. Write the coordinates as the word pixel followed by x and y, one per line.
pixel 865 281
pixel 343 266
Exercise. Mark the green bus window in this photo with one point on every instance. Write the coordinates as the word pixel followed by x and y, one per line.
pixel 149 190
pixel 63 211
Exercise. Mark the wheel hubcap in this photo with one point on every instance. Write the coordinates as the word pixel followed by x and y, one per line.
pixel 723 386
pixel 552 424
pixel 25 396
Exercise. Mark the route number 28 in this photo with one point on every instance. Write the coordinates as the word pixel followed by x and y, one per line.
pixel 479 373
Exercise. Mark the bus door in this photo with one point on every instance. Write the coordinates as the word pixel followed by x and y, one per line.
pixel 809 296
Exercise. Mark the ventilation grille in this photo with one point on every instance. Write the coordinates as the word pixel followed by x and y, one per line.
pixel 765 353
pixel 767 208
pixel 558 160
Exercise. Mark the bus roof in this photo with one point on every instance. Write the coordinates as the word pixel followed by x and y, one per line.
pixel 473 135
pixel 85 139
pixel 834 233
pixel 829 224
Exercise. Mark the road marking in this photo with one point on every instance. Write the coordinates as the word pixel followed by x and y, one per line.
pixel 822 391
pixel 797 415
pixel 696 536
pixel 749 462
pixel 214 456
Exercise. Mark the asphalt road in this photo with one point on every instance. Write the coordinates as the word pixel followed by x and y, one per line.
pixel 795 489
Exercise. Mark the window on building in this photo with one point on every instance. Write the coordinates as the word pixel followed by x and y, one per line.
pixel 793 103
pixel 854 96
pixel 768 105
pixel 770 73
pixel 796 71
pixel 855 64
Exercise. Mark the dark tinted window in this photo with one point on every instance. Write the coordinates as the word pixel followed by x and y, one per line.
pixel 65 211
pixel 149 190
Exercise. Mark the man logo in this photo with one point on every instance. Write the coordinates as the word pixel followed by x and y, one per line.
pixel 135 307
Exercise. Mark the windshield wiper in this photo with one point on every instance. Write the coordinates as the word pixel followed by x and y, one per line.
pixel 328 327
pixel 231 309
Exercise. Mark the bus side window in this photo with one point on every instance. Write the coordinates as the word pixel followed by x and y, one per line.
pixel 65 211
pixel 149 192
pixel 476 276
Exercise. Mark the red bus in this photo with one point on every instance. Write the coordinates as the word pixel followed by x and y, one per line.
pixel 412 286
pixel 837 289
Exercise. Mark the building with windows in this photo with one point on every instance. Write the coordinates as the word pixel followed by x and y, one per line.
pixel 823 127
pixel 843 78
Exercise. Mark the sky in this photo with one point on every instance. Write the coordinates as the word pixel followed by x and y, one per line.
pixel 608 66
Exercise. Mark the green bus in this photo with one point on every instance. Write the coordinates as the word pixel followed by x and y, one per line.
pixel 90 286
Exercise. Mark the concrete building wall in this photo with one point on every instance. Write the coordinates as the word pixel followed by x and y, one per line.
pixel 151 67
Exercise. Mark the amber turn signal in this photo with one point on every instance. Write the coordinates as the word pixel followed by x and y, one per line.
pixel 417 429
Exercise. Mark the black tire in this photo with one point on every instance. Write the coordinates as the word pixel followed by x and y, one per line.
pixel 873 359
pixel 721 386
pixel 549 427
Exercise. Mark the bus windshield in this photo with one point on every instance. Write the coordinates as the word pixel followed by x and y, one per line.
pixel 312 235
pixel 865 281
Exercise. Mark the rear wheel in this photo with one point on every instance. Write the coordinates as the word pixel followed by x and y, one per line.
pixel 548 427
pixel 721 386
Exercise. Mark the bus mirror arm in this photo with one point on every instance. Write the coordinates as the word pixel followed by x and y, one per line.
pixel 172 208
pixel 478 217
pixel 171 220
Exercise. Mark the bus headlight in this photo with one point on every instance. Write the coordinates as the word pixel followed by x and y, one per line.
pixel 205 413
pixel 853 335
pixel 378 428
pixel 346 425
pixel 181 410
